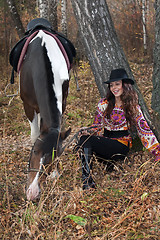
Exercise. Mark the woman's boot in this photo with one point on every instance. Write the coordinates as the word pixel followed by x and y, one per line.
pixel 86 167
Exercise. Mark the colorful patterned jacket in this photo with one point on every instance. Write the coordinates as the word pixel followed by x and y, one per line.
pixel 118 122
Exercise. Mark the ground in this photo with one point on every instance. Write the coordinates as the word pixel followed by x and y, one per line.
pixel 125 204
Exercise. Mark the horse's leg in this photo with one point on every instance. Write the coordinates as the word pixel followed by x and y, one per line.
pixel 35 130
pixel 34 121
pixel 65 90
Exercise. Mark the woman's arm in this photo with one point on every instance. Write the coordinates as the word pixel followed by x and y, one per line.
pixel 99 116
pixel 97 125
pixel 146 135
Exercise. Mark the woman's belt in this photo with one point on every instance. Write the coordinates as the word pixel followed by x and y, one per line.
pixel 115 134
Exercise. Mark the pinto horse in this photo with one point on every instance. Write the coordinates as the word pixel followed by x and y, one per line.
pixel 44 82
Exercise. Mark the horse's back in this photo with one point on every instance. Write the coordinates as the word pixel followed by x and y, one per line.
pixel 31 67
pixel 42 76
pixel 44 54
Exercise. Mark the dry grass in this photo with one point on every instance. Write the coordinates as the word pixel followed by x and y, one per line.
pixel 125 205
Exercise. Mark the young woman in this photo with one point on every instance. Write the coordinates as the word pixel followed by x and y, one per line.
pixel 109 135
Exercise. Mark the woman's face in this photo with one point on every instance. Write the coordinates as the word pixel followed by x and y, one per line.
pixel 116 88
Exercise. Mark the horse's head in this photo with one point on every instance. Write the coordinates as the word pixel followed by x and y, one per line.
pixel 46 148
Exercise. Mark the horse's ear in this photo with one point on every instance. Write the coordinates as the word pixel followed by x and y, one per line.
pixel 65 134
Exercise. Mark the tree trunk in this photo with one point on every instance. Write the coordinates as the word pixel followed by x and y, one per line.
pixel 64 16
pixel 144 26
pixel 43 8
pixel 156 70
pixel 48 10
pixel 6 37
pixel 52 14
pixel 102 45
pixel 16 18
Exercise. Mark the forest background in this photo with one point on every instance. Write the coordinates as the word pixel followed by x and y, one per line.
pixel 126 202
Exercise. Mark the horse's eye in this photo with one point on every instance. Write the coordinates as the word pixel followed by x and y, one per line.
pixel 35 152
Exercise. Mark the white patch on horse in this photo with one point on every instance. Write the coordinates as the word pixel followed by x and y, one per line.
pixel 35 127
pixel 54 174
pixel 33 190
pixel 58 63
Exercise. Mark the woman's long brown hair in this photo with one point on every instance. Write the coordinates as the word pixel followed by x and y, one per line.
pixel 129 103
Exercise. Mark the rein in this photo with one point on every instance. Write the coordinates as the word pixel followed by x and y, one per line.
pixel 76 136
pixel 36 170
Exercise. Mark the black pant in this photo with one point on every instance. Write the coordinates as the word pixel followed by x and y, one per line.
pixel 104 147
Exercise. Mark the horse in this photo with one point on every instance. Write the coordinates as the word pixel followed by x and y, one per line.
pixel 44 83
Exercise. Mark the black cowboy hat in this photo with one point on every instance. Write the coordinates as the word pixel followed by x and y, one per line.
pixel 119 74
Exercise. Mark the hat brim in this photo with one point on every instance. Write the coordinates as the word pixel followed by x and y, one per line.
pixel 127 80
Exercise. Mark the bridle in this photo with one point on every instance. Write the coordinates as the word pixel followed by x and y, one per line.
pixel 34 169
pixel 75 136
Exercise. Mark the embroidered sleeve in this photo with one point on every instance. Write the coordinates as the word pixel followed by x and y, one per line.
pixel 99 116
pixel 156 153
pixel 146 135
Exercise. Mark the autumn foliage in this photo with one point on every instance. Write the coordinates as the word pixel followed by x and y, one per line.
pixel 128 21
pixel 125 204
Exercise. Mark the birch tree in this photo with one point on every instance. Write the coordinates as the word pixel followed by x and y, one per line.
pixel 64 16
pixel 48 10
pixel 156 68
pixel 52 13
pixel 102 44
pixel 144 26
pixel 43 8
pixel 15 17
pixel 143 5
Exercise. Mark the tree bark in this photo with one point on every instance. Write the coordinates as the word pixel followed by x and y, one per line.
pixel 102 45
pixel 156 69
pixel 6 37
pixel 48 10
pixel 16 18
pixel 52 14
pixel 43 8
pixel 64 16
pixel 144 26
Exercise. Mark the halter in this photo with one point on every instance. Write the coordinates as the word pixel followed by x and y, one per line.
pixel 66 145
pixel 41 140
pixel 37 170
pixel 76 136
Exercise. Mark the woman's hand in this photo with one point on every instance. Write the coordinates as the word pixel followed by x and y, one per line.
pixel 156 153
pixel 83 131
pixel 157 158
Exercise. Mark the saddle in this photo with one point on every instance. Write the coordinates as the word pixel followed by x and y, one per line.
pixel 32 28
